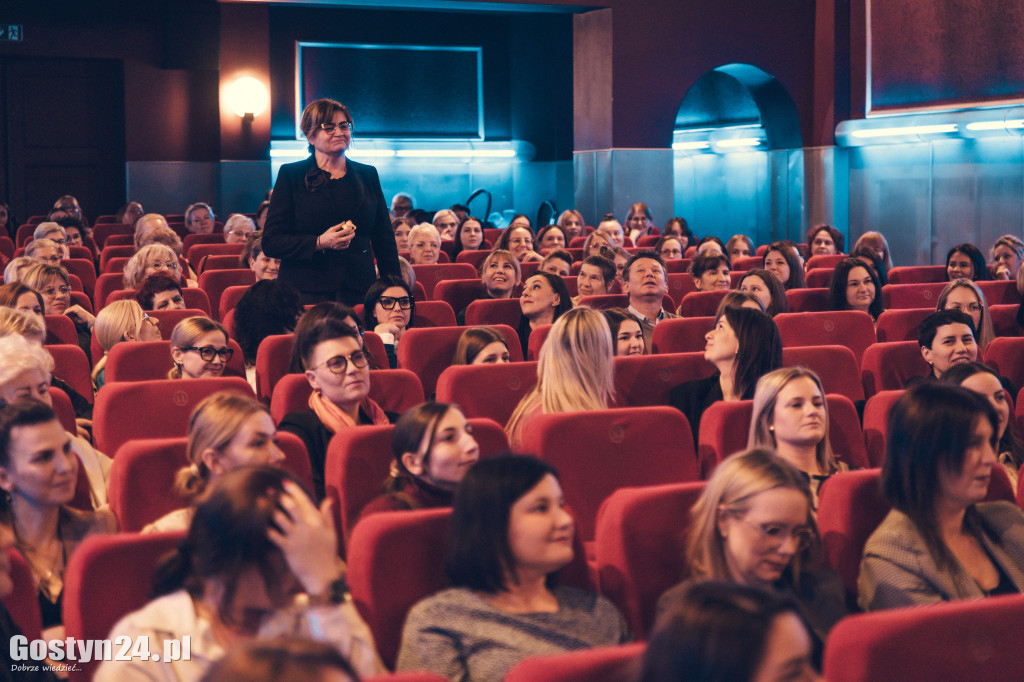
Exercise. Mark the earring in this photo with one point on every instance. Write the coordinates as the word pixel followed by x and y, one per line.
pixel 771 428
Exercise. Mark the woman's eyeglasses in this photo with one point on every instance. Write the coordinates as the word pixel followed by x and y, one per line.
pixel 775 535
pixel 208 353
pixel 54 292
pixel 339 363
pixel 388 302
pixel 331 127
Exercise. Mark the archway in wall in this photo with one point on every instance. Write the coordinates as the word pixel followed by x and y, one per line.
pixel 738 165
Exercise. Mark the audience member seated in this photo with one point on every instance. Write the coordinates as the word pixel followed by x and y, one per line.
pixel 710 272
pixel 645 283
pixel 790 416
pixel 500 274
pixel 575 371
pixel 238 228
pixel 199 349
pixel 545 298
pixel 710 245
pixel 446 222
pixel 338 370
pixel 595 277
pixel 53 282
pixel 754 525
pixel 965 296
pixel 259 560
pixel 612 230
pixel 571 222
pixel 281 659
pixel 469 236
pixel 739 246
pixel 261 213
pixel 424 244
pixel 8 223
pixel 767 289
pixel 510 532
pixel 669 247
pixel 639 221
pixel 389 310
pixel 986 383
pixel 121 321
pixel 552 237
pixel 327 309
pixel 8 628
pixel 401 205
pixel 825 240
pixel 481 346
pixel 783 260
pixel 855 286
pixel 946 337
pixel 557 262
pixel 252 257
pixel 876 242
pixel 723 632
pixel 597 244
pixel 38 472
pixel 75 234
pixel 744 345
pixel 269 307
pixel 152 259
pixel 20 297
pixel 14 269
pixel 940 541
pixel 225 432
pixel 44 251
pixel 56 234
pixel 26 371
pixel 402 227
pixel 1007 257
pixel 199 218
pixel 519 240
pixel 681 229
pixel 145 224
pixel 869 257
pixel 626 333
pixel 738 299
pixel 69 205
pixel 433 447
pixel 965 261
pixel 170 239
pixel 129 214
pixel 160 292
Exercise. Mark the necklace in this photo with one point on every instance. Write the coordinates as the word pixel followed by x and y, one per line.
pixel 47 579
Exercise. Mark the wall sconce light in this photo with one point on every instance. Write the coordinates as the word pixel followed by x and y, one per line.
pixel 247 97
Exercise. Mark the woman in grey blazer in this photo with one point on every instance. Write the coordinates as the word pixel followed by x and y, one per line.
pixel 941 542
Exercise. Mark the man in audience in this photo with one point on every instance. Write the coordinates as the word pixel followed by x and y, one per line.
pixel 645 282
pixel 146 223
pixel 45 251
pixel 401 205
pixel 596 276
pixel 55 233
pixel 612 229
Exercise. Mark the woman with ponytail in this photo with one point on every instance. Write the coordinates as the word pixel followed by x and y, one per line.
pixel 434 447
pixel 226 431
pixel 259 560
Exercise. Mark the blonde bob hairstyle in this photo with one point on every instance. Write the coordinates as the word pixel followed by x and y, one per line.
pixel 21 355
pixel 765 398
pixel 135 269
pixel 212 426
pixel 116 320
pixel 12 273
pixel 575 369
pixel 730 490
pixel 986 332
pixel 187 332
pixel 20 323
pixel 38 275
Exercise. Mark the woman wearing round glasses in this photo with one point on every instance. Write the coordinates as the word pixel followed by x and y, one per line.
pixel 753 525
pixel 389 310
pixel 53 282
pixel 199 349
pixel 327 212
pixel 338 370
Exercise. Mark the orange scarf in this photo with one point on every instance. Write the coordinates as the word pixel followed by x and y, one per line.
pixel 335 419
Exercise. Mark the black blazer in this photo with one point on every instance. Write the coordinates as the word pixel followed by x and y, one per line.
pixel 303 206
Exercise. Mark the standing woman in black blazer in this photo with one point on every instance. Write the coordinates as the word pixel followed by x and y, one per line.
pixel 328 218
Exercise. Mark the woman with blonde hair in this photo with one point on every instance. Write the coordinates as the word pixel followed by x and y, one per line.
pixel 571 222
pixel 12 273
pixel 199 349
pixel 753 525
pixel 424 244
pixel 152 259
pixel 225 432
pixel 965 296
pixel 791 417
pixel 1007 257
pixel 22 323
pixel 575 371
pixel 53 282
pixel 121 321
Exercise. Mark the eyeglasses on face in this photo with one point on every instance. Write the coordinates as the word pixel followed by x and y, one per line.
pixel 329 128
pixel 339 363
pixel 970 307
pixel 208 353
pixel 164 266
pixel 388 302
pixel 239 233
pixel 54 292
pixel 775 534
pixel 151 320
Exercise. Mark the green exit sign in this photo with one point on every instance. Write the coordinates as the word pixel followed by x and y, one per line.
pixel 10 32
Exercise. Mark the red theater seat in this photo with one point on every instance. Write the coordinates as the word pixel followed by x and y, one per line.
pixel 60 330
pixel 917 274
pixel 836 366
pixel 644 380
pixel 850 507
pixel 914 295
pixel 148 360
pixel 491 391
pixel 428 351
pixel 22 603
pixel 395 390
pixel 430 275
pixel 701 303
pixel 608 664
pixel 851 328
pixel 900 324
pixel 494 311
pixel 1006 356
pixel 72 367
pixel 214 282
pixel 876 423
pixel 808 300
pixel 681 335
pixel 888 366
pixel 819 278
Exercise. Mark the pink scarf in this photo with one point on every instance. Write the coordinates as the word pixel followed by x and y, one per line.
pixel 335 419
